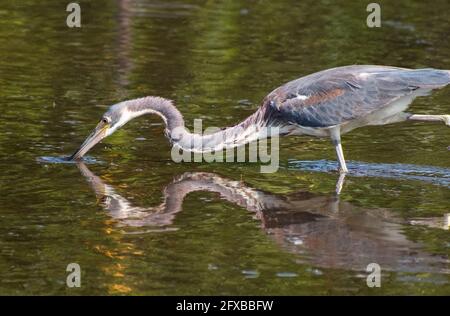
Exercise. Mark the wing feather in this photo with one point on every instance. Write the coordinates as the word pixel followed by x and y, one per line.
pixel 343 94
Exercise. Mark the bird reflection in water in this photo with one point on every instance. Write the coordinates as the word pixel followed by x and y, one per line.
pixel 324 230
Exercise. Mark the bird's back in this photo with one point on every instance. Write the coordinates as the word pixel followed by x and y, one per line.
pixel 338 95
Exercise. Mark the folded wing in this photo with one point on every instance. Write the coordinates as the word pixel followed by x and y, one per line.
pixel 338 95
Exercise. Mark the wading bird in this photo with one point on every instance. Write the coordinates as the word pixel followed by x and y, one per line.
pixel 324 104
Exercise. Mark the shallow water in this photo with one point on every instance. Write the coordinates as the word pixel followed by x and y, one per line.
pixel 398 171
pixel 138 223
pixel 66 159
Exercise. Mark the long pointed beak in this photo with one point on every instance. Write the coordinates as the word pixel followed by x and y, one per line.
pixel 95 137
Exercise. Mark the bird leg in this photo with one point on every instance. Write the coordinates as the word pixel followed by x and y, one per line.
pixel 340 183
pixel 430 118
pixel 335 134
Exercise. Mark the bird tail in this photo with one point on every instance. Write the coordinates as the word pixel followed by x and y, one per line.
pixel 427 78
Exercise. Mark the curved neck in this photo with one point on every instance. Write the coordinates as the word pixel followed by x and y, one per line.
pixel 252 128
pixel 155 105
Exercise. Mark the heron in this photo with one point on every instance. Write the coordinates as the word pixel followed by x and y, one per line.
pixel 327 103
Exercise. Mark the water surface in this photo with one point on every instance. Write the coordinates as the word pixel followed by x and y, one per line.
pixel 138 223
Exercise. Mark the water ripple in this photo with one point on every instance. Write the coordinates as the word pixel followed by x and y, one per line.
pixel 435 175
pixel 65 160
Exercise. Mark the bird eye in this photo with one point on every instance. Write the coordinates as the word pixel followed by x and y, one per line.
pixel 105 120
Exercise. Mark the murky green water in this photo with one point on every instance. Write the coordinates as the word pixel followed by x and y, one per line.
pixel 138 223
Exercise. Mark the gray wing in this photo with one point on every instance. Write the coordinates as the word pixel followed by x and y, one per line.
pixel 343 94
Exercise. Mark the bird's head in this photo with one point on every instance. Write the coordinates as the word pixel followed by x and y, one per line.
pixel 116 116
pixel 119 114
